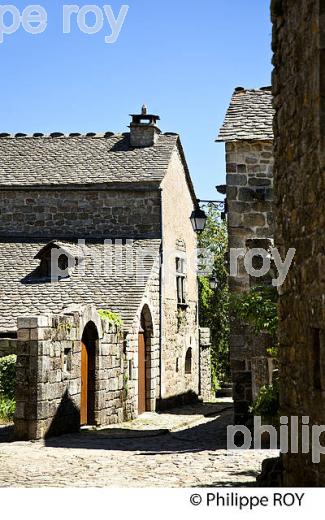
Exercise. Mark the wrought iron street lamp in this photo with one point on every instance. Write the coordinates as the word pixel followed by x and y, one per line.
pixel 198 220
pixel 213 282
pixel 199 217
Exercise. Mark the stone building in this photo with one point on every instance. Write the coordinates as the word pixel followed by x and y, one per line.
pixel 98 222
pixel 299 175
pixel 248 136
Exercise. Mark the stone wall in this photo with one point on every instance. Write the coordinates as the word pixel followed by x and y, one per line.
pixel 49 373
pixel 83 213
pixel 250 221
pixel 150 309
pixel 179 323
pixel 298 89
pixel 205 365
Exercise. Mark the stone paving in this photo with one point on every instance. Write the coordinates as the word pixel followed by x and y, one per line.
pixel 182 448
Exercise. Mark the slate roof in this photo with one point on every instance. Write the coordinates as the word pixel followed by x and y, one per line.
pixel 87 159
pixel 115 288
pixel 249 116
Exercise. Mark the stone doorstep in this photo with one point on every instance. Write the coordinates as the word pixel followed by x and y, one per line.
pixel 125 433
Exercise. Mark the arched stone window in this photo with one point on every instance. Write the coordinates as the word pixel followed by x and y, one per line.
pixel 188 361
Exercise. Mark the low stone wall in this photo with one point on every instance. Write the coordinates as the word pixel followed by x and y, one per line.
pixel 205 364
pixel 49 373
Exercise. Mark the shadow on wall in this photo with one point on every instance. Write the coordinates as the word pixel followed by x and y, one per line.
pixel 66 419
pixel 168 404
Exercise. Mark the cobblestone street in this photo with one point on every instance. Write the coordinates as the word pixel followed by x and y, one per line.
pixel 182 448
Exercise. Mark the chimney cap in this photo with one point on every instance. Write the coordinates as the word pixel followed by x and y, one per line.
pixel 144 117
pixel 143 129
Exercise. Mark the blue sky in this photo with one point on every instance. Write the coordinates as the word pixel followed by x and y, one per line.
pixel 182 58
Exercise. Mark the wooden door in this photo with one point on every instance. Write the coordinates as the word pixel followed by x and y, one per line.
pixel 84 386
pixel 141 374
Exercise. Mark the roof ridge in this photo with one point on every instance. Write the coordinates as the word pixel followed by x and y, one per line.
pixel 71 135
pixel 255 89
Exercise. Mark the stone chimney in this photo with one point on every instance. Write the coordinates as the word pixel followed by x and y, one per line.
pixel 143 129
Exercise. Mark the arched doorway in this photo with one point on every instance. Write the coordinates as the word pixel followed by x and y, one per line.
pixel 144 361
pixel 89 343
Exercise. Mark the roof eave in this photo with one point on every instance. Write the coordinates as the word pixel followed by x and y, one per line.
pixel 248 138
pixel 187 172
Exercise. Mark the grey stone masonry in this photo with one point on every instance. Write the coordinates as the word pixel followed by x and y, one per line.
pixel 143 135
pixel 85 213
pixel 49 375
pixel 298 88
pixel 205 364
pixel 249 167
pixel 250 225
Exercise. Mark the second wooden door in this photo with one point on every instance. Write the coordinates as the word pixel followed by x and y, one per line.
pixel 84 386
pixel 141 374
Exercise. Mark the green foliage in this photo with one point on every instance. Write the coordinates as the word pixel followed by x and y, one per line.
pixel 8 377
pixel 214 304
pixel 7 387
pixel 259 308
pixel 110 316
pixel 267 402
pixel 7 408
